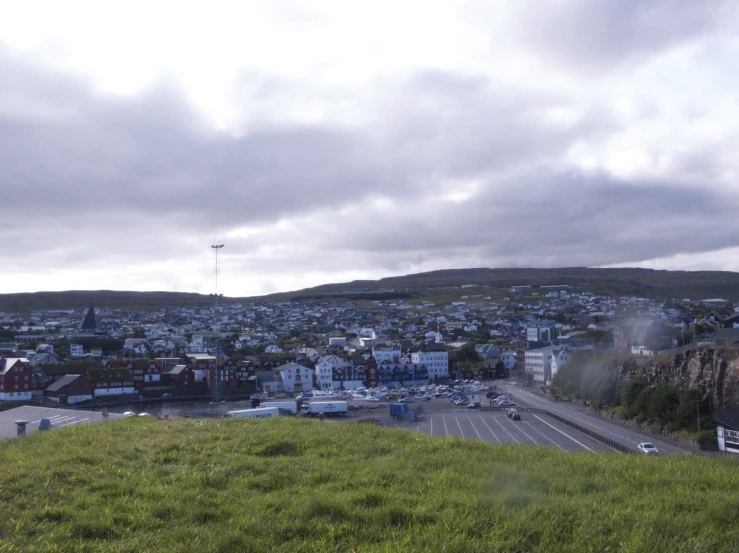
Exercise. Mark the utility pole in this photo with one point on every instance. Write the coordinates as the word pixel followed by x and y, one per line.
pixel 214 382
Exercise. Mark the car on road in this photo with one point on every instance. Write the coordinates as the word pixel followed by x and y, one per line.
pixel 473 405
pixel 515 417
pixel 511 412
pixel 647 448
pixel 371 398
pixel 506 404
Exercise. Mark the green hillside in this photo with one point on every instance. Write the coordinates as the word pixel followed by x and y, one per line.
pixel 434 285
pixel 300 485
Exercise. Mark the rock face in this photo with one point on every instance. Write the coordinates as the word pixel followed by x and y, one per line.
pixel 714 372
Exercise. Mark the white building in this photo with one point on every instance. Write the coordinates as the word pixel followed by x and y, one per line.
pixel 75 350
pixel 296 378
pixel 436 362
pixel 509 359
pixel 538 365
pixel 325 370
pixel 559 359
pixel 386 351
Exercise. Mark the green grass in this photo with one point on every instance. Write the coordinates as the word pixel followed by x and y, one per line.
pixel 143 485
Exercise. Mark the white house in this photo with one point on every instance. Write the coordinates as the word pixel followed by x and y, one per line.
pixel 325 370
pixel 75 350
pixel 436 362
pixel 509 359
pixel 295 378
pixel 386 351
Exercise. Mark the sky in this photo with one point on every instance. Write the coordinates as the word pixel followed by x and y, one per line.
pixel 328 141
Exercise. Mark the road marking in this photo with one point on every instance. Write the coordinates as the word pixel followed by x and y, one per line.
pixel 491 430
pixel 446 430
pixel 547 437
pixel 460 426
pixel 473 428
pixel 505 430
pixel 518 426
pixel 76 422
pixel 432 425
pixel 564 433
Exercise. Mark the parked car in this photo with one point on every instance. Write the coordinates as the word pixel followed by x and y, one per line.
pixel 474 405
pixel 511 412
pixel 515 417
pixel 647 449
pixel 506 404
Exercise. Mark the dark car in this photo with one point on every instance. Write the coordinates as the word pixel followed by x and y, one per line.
pixel 492 395
pixel 515 417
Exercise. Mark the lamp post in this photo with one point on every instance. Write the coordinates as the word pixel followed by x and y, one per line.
pixel 215 379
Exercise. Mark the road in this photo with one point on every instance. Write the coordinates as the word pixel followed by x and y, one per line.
pixel 623 435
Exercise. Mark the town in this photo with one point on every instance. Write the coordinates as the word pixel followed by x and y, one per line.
pixel 226 350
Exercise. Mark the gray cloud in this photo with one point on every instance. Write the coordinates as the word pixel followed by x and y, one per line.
pixel 104 182
pixel 597 36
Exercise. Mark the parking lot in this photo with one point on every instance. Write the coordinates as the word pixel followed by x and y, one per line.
pixel 496 427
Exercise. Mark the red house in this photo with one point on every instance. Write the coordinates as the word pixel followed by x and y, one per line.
pixel 16 378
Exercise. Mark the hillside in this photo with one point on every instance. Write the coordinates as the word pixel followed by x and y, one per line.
pixel 289 485
pixel 431 285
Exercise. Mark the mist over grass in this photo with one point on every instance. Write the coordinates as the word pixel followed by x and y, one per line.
pixel 300 485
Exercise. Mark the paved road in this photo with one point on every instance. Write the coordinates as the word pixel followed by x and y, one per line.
pixel 623 435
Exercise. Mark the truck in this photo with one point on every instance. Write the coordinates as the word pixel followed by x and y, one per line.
pixel 286 407
pixel 325 408
pixel 258 413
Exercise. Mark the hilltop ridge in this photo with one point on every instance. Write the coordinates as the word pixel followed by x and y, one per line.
pixel 648 283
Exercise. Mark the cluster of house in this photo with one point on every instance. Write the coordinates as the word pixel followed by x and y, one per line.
pixel 391 342
pixel 77 381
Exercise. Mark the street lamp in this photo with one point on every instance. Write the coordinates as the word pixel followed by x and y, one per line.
pixel 216 376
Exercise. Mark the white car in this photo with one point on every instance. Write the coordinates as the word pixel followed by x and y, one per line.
pixel 647 448
pixel 371 398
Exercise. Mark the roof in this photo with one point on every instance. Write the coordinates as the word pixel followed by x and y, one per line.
pixel 63 381
pixel 288 366
pixel 10 362
pixel 177 369
pixel 108 375
pixel 91 320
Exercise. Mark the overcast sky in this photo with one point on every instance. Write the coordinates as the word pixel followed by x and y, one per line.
pixel 327 141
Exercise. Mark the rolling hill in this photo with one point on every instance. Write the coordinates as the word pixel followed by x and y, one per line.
pixel 649 283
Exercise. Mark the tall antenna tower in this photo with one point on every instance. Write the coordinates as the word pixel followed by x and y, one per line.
pixel 215 380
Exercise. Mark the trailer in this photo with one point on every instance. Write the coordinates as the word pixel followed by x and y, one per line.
pixel 286 407
pixel 326 408
pixel 258 413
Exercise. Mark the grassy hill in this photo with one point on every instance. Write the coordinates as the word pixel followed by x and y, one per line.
pixel 435 285
pixel 300 485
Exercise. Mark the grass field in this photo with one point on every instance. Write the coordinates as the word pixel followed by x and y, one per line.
pixel 143 485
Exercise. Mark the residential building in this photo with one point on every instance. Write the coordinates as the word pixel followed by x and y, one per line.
pixel 436 363
pixel 295 378
pixel 16 376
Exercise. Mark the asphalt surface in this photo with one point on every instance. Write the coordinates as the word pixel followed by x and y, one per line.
pixel 442 418
pixel 624 435
pixel 59 418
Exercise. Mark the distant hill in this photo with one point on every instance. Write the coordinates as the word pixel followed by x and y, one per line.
pixel 646 283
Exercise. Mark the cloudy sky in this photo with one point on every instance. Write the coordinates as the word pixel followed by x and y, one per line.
pixel 327 141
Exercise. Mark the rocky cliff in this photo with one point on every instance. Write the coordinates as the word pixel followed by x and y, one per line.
pixel 714 372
